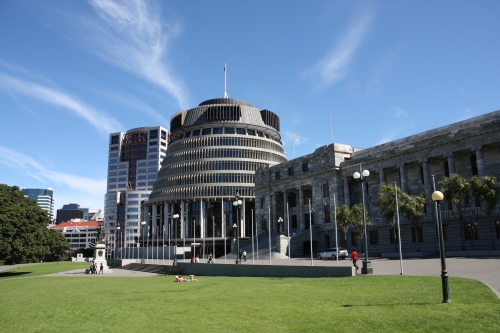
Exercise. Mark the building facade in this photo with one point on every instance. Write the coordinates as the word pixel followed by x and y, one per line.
pixel 44 198
pixel 134 160
pixel 213 152
pixel 69 212
pixel 78 233
pixel 306 191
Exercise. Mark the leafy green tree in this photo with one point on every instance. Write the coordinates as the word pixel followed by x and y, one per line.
pixel 387 204
pixel 58 246
pixel 357 220
pixel 486 192
pixel 456 192
pixel 344 220
pixel 23 228
pixel 413 208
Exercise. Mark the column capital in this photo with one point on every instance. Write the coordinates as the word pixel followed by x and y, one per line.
pixel 423 160
pixel 476 148
pixel 450 154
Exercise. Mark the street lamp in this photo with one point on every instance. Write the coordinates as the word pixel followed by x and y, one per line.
pixel 143 223
pixel 367 265
pixel 118 238
pixel 437 197
pixel 280 222
pixel 176 219
pixel 237 203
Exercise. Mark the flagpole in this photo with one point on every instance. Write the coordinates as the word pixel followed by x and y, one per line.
pixel 253 253
pixel 288 227
pixel 269 227
pixel 310 232
pixel 336 239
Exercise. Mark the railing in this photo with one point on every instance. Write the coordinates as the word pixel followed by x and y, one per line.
pixel 472 210
pixel 376 221
pixel 446 213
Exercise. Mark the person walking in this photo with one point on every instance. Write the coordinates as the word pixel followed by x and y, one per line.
pixel 244 255
pixel 101 269
pixel 354 258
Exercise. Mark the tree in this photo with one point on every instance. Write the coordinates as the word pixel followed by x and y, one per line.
pixel 344 220
pixel 413 208
pixel 58 246
pixel 23 228
pixel 486 192
pixel 456 193
pixel 358 221
pixel 387 204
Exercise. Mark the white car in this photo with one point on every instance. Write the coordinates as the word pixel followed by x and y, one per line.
pixel 332 252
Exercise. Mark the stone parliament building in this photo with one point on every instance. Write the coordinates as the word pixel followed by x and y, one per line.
pixel 470 147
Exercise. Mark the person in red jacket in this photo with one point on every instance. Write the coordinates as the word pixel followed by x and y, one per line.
pixel 354 258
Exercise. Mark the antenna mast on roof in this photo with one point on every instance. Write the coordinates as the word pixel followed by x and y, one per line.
pixel 225 80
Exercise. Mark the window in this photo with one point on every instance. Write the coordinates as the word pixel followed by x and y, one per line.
pixel 305 167
pixel 373 237
pixel 163 144
pixel 187 134
pixel 420 235
pixel 290 171
pixel 229 130
pixel 393 235
pixel 497 227
pixel 251 132
pixel 113 148
pixel 326 191
pixel 206 131
pixel 152 149
pixel 326 210
pixel 262 204
pixel 196 132
pixel 356 238
pixel 153 143
pixel 153 156
pixel 292 200
pixel 294 221
pixel 218 130
pixel 114 139
pixel 241 131
pixel 133 202
pixel 153 134
pixel 163 135
pixel 277 175
pixel 473 165
pixel 446 169
pixel 471 231
pixel 260 134
pixel 132 195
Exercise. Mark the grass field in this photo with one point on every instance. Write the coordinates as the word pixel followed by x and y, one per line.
pixel 228 304
pixel 42 269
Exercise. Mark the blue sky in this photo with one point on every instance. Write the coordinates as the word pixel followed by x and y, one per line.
pixel 71 72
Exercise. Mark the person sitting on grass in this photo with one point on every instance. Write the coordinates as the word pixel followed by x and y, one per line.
pixel 181 279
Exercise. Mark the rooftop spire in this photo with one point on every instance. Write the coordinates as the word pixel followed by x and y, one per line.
pixel 225 80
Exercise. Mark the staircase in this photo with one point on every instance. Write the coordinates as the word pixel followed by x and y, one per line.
pixel 147 268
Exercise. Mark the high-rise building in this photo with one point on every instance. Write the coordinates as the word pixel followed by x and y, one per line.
pixel 134 160
pixel 44 198
pixel 85 213
pixel 69 212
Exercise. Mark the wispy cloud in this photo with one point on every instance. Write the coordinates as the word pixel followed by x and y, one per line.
pixel 334 66
pixel 24 163
pixel 400 113
pixel 102 123
pixel 131 35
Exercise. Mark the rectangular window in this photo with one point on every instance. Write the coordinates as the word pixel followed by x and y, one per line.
pixel 163 135
pixel 152 169
pixel 420 235
pixel 373 237
pixel 393 235
pixel 206 131
pixel 305 167
pixel 217 130
pixel 241 131
pixel 260 134
pixel 152 176
pixel 262 203
pixel 326 191
pixel 153 156
pixel 132 202
pixel 251 132
pixel 113 154
pixel 471 231
pixel 187 134
pixel 326 210
pixel 141 184
pixel 292 200
pixel 229 130
pixel 163 144
pixel 153 134
pixel 115 139
pixel 277 175
pixel 446 169
pixel 152 149
pixel 153 143
pixel 473 165
pixel 132 195
pixel 294 221
pixel 196 132
pixel 355 238
pixel 290 171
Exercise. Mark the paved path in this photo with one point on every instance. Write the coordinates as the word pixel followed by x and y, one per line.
pixel 486 270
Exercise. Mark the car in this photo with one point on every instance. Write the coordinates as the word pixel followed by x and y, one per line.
pixel 332 252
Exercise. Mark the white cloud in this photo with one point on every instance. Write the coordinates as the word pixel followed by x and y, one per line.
pixel 334 66
pixel 131 35
pixel 400 113
pixel 102 123
pixel 28 165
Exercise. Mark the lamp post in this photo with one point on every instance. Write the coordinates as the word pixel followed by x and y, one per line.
pixel 143 223
pixel 118 238
pixel 437 197
pixel 362 177
pixel 280 222
pixel 176 219
pixel 237 203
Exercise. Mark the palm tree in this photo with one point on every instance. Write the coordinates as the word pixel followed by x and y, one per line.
pixel 486 192
pixel 412 206
pixel 387 204
pixel 456 193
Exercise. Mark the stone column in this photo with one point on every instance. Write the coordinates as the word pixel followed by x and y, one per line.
pixel 428 186
pixel 451 164
pixel 381 177
pixel 481 170
pixel 402 175
pixel 347 194
pixel 301 209
pixel 285 211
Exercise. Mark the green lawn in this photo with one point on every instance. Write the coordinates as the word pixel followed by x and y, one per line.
pixel 42 269
pixel 229 304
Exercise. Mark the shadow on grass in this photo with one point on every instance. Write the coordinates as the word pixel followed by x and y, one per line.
pixel 12 274
pixel 388 304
